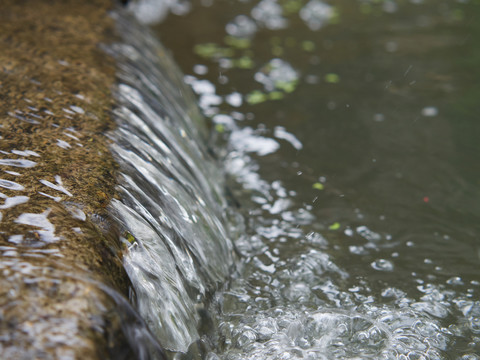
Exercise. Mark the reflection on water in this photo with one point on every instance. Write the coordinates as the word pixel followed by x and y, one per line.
pixel 352 147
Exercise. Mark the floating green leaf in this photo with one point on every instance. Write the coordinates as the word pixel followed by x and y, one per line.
pixel 205 50
pixel 332 78
pixel 318 186
pixel 308 45
pixel 276 95
pixel 275 40
pixel 236 42
pixel 290 41
pixel 287 86
pixel 220 128
pixel 130 238
pixel 335 17
pixel 256 97
pixel 211 50
pixel 365 8
pixel 458 14
pixel 292 6
pixel 243 63
pixel 334 226
pixel 277 50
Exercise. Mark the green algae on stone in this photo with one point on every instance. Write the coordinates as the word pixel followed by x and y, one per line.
pixel 55 103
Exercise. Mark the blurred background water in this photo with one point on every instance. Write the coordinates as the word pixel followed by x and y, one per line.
pixel 349 132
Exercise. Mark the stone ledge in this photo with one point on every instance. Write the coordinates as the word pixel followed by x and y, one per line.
pixel 57 178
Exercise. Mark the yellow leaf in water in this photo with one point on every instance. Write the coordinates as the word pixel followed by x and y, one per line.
pixel 332 78
pixel 318 186
pixel 334 226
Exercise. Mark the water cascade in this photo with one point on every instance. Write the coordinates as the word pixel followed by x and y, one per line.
pixel 237 244
pixel 172 206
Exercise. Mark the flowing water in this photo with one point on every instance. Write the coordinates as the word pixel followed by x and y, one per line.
pixel 332 213
pixel 174 216
pixel 348 130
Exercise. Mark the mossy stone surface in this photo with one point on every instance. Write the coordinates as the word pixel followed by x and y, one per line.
pixel 56 179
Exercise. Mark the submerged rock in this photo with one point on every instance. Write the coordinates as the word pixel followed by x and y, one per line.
pixel 62 278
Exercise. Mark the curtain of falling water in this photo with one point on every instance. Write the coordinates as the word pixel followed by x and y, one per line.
pixel 172 212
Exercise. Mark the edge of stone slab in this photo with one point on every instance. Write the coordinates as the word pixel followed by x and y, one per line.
pixel 63 288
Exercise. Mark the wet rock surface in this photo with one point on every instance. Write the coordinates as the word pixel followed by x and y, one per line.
pixel 59 252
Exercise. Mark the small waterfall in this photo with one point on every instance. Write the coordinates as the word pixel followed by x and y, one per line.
pixel 173 214
pixel 297 295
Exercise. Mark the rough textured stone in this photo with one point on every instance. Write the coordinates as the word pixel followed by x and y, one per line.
pixel 56 179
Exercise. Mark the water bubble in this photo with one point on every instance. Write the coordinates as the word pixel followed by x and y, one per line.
pixel 430 111
pixel 266 328
pixel 245 337
pixel 281 133
pixel 245 140
pixel 470 357
pixel 206 101
pixel 234 99
pixel 212 356
pixel 297 292
pixel 357 250
pixel 316 14
pixel 368 234
pixel 203 87
pixel 269 14
pixel 433 308
pixel 241 26
pixel 277 74
pixel 382 265
pixel 393 292
pixel 456 280
pixel 391 46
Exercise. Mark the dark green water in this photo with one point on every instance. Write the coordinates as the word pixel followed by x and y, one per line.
pixel 384 101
